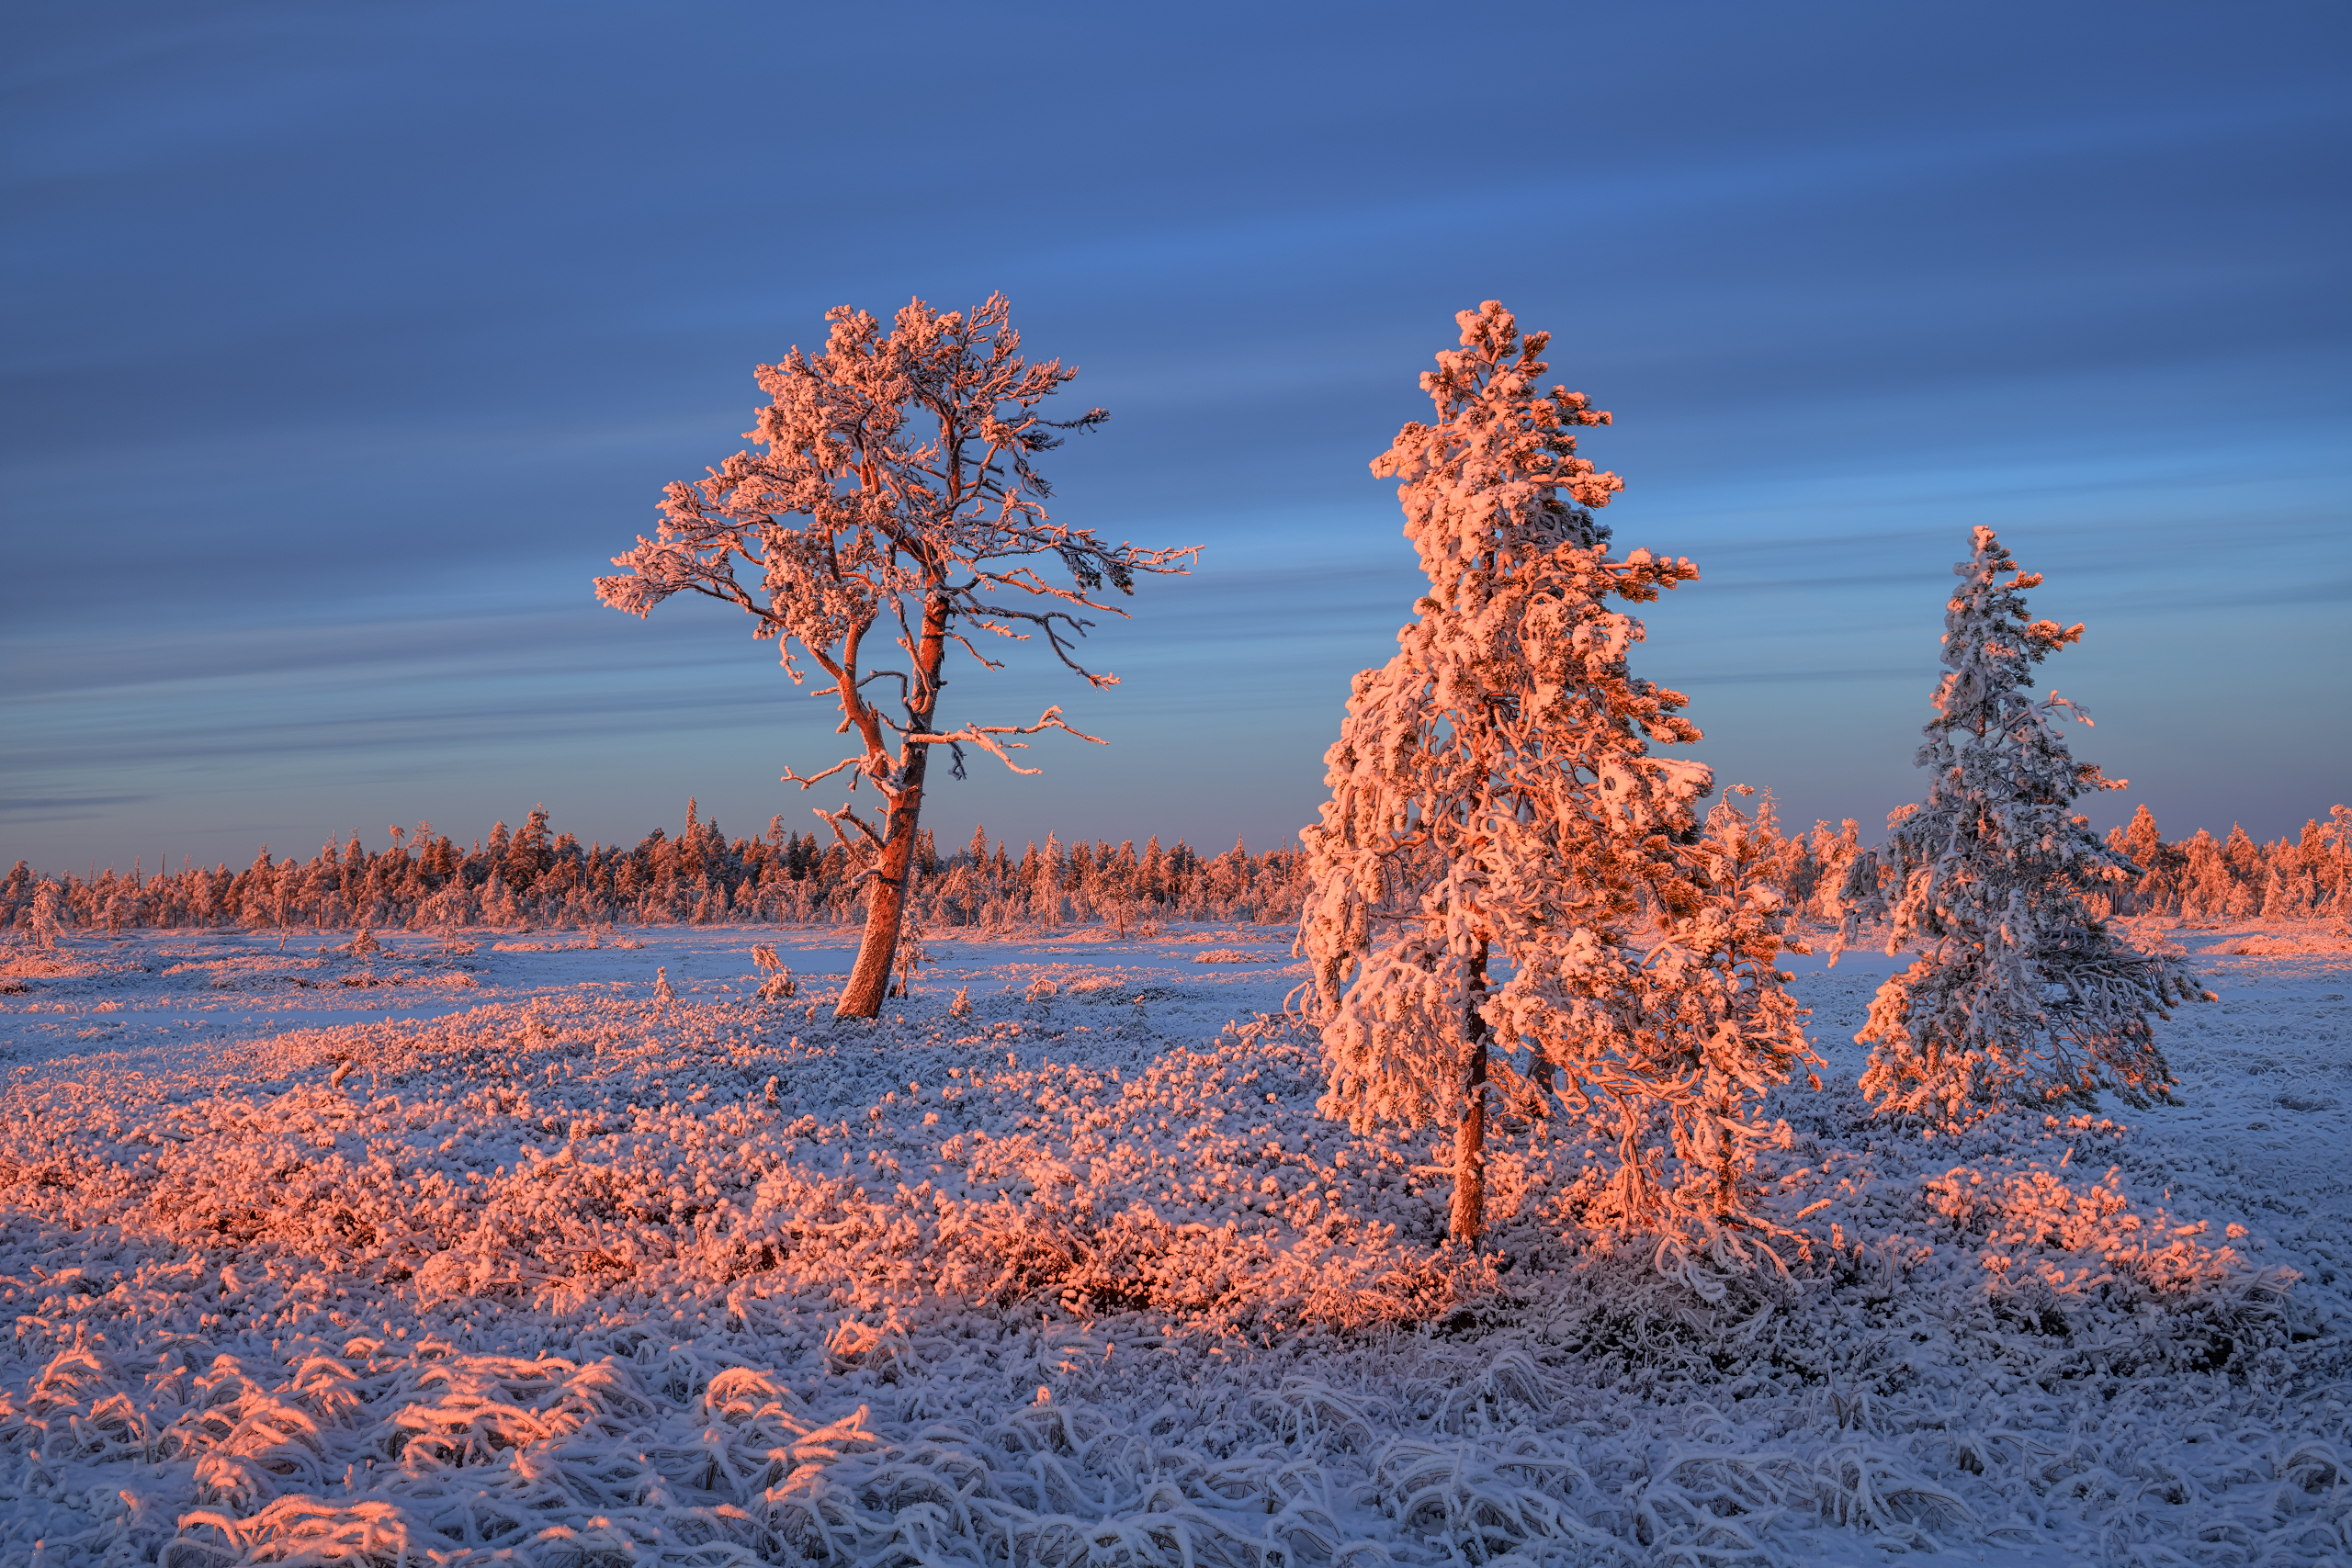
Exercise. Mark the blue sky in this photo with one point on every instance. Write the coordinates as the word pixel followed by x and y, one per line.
pixel 343 344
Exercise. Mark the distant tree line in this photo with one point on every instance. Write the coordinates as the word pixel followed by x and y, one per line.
pixel 2307 876
pixel 533 877
pixel 536 878
pixel 2204 878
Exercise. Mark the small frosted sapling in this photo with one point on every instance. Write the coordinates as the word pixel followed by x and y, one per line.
pixel 2023 993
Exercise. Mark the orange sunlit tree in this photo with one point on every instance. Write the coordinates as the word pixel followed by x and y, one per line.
pixel 1508 889
pixel 894 490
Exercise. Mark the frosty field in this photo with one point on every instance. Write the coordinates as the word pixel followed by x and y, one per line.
pixel 463 1251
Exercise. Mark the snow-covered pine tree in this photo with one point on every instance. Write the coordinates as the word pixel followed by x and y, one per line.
pixel 2140 843
pixel 48 914
pixel 2335 874
pixel 897 489
pixel 2019 995
pixel 1505 886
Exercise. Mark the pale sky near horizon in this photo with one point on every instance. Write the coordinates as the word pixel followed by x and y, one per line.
pixel 351 341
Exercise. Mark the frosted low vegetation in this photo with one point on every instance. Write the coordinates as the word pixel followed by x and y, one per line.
pixel 316 1256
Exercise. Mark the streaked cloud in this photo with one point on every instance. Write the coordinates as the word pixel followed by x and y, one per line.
pixel 343 346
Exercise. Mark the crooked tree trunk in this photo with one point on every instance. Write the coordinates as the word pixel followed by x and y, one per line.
pixel 886 901
pixel 885 897
pixel 1468 1221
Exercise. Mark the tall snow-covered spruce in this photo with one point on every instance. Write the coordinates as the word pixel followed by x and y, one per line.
pixel 2022 993
pixel 1506 891
pixel 896 488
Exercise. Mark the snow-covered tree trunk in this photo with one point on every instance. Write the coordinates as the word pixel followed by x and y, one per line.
pixel 1494 803
pixel 2022 993
pixel 1467 1218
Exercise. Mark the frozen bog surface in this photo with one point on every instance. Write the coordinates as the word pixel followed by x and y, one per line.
pixel 479 1247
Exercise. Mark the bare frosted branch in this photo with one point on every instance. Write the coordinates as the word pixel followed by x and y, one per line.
pixel 984 736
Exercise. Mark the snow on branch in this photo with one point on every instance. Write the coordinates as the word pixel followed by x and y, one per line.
pixel 984 737
pixel 834 819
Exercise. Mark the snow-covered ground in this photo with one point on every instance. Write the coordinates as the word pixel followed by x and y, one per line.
pixel 459 1250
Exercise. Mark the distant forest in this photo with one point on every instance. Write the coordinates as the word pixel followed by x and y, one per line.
pixel 536 878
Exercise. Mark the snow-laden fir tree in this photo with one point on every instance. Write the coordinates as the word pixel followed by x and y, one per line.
pixel 895 490
pixel 1507 890
pixel 2021 994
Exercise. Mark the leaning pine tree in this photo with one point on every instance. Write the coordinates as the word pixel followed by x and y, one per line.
pixel 895 491
pixel 2022 993
pixel 1506 891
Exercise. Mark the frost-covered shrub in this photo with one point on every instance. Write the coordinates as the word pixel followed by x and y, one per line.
pixel 2023 992
pixel 1505 884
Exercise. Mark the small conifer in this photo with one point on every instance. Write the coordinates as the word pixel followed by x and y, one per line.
pixel 2021 993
